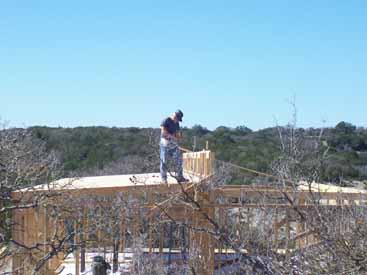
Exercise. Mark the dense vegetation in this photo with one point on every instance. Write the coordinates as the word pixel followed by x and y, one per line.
pixel 95 148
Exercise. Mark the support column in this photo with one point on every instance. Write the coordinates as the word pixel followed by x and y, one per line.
pixel 202 244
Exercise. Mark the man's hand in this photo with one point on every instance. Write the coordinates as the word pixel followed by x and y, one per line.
pixel 178 135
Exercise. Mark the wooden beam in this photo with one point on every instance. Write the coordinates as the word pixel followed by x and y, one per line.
pixel 76 251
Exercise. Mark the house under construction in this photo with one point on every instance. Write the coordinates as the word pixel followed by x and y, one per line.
pixel 169 221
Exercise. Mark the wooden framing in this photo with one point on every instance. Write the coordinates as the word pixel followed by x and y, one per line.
pixel 37 225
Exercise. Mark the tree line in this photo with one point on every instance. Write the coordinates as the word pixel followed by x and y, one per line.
pixel 103 150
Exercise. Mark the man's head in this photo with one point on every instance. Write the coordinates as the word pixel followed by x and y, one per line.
pixel 178 115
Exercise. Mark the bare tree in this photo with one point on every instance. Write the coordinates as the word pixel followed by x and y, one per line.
pixel 24 164
pixel 337 228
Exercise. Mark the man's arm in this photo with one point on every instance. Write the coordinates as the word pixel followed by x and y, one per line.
pixel 178 135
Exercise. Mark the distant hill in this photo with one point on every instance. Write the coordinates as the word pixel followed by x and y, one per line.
pixel 103 150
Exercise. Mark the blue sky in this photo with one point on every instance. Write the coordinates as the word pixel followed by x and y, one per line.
pixel 131 63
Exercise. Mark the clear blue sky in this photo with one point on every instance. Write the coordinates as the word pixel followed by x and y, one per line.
pixel 130 63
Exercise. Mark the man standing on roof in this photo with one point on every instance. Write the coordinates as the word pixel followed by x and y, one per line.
pixel 170 134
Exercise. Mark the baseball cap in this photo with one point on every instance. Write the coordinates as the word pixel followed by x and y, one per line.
pixel 179 115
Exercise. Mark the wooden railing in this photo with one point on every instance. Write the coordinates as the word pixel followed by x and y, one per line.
pixel 199 164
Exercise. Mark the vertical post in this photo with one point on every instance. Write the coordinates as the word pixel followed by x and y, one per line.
pixel 122 233
pixel 202 160
pixel 300 228
pixel 84 229
pixel 170 243
pixel 202 243
pixel 150 235
pixel 288 229
pixel 299 241
pixel 115 253
pixel 99 233
pixel 220 244
pixel 135 227
pixel 276 229
pixel 76 251
pixel 161 239
pixel 82 252
pixel 249 224
pixel 307 238
pixel 45 229
pixel 183 244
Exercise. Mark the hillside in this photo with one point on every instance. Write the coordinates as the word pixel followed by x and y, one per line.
pixel 102 150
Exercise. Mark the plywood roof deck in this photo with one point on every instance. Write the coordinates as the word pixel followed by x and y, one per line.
pixel 114 181
pixel 197 166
